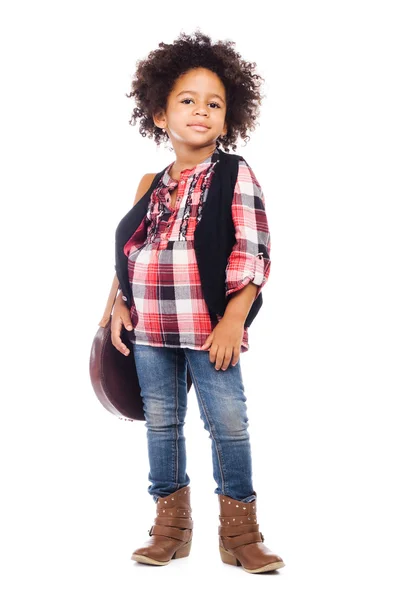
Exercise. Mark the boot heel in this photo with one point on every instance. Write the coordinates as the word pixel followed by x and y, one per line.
pixel 183 551
pixel 228 558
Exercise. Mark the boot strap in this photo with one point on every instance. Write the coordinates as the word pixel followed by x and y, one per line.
pixel 172 532
pixel 241 540
pixel 237 529
pixel 185 523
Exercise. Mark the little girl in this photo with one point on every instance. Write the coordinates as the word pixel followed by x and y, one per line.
pixel 181 308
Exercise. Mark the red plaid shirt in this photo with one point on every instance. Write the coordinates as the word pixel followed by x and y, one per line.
pixel 168 306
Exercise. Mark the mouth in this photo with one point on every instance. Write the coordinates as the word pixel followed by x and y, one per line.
pixel 198 127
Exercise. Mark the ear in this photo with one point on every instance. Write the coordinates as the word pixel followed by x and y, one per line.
pixel 159 119
pixel 225 129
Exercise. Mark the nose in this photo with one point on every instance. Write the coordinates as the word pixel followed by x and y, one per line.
pixel 202 110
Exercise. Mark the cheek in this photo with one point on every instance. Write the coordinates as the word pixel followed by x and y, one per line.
pixel 179 113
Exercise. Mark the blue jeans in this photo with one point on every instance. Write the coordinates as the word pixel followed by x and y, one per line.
pixel 222 402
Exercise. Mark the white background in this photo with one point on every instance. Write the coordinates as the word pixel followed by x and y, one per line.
pixel 322 372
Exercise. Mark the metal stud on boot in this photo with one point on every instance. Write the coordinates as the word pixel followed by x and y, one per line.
pixel 240 541
pixel 172 531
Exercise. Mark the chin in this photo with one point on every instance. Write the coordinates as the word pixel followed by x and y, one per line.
pixel 200 140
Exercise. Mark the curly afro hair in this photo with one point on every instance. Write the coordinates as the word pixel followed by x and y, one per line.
pixel 155 77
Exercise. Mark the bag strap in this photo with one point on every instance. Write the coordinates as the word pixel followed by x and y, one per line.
pixel 110 303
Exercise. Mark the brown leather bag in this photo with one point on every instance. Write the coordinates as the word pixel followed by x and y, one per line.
pixel 113 375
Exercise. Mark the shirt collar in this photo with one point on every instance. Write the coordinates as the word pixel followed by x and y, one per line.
pixel 169 182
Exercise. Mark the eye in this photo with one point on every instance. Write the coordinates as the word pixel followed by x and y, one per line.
pixel 191 100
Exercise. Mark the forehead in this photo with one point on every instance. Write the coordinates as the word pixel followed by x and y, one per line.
pixel 199 80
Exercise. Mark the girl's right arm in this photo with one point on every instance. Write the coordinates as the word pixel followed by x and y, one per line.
pixel 143 186
pixel 121 312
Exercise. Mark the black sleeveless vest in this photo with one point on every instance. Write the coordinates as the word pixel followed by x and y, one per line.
pixel 214 237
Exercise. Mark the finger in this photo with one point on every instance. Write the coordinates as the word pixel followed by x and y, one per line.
pixel 116 337
pixel 220 358
pixel 119 345
pixel 236 356
pixel 206 343
pixel 213 353
pixel 128 324
pixel 227 359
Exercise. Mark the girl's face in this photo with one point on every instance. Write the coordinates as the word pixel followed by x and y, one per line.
pixel 198 97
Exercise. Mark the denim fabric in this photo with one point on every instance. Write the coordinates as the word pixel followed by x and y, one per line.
pixel 222 403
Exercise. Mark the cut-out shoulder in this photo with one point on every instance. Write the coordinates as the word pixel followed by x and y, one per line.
pixel 143 186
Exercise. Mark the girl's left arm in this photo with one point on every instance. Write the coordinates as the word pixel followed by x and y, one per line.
pixel 250 259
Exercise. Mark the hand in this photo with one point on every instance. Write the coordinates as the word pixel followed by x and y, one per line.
pixel 120 317
pixel 225 341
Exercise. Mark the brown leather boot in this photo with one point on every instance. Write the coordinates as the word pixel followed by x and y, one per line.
pixel 240 541
pixel 171 534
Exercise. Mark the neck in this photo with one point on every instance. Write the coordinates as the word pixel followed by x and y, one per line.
pixel 187 158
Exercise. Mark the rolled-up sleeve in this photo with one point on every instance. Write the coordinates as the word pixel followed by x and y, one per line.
pixel 250 256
